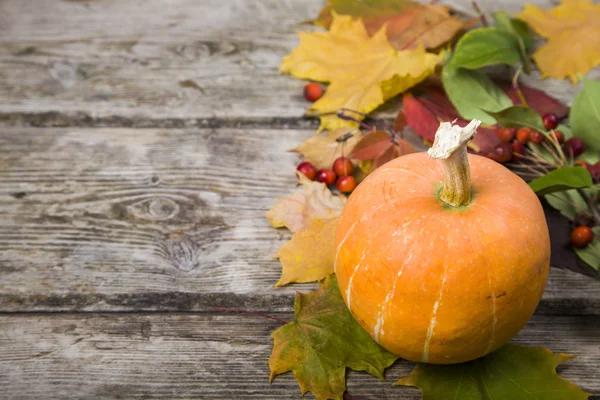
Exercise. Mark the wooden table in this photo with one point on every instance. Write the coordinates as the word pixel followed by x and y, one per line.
pixel 141 141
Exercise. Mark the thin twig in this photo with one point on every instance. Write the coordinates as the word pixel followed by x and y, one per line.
pixel 481 15
pixel 591 205
pixel 575 206
pixel 553 154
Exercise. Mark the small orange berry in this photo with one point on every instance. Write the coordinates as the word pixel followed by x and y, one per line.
pixel 313 91
pixel 581 236
pixel 523 135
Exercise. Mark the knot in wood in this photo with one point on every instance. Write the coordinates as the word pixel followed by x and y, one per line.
pixel 182 251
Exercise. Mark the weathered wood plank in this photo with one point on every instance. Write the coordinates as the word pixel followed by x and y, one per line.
pixel 146 219
pixel 208 357
pixel 122 62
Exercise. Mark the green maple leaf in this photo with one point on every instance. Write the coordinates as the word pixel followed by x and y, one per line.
pixel 513 372
pixel 322 342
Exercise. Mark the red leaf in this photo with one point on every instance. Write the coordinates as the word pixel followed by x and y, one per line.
pixel 371 146
pixel 422 120
pixel 388 155
pixel 399 121
pixel 394 151
pixel 537 100
pixel 429 110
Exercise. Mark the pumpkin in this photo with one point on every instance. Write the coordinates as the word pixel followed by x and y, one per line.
pixel 442 261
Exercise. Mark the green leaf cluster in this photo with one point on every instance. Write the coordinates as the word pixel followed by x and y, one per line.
pixel 471 91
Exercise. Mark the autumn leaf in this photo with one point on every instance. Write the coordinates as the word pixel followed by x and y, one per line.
pixel 309 255
pixel 512 372
pixel 322 150
pixel 408 24
pixel 297 210
pixel 363 71
pixel 573 35
pixel 380 147
pixel 322 341
pixel 425 113
pixel 536 100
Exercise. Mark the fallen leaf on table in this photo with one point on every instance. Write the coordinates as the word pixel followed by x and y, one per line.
pixel 512 372
pixel 359 8
pixel 379 147
pixel 482 47
pixel 309 255
pixel 473 93
pixel 297 210
pixel 363 71
pixel 536 100
pixel 322 150
pixel 408 24
pixel 425 113
pixel 322 342
pixel 573 35
pixel 519 116
pixel 560 180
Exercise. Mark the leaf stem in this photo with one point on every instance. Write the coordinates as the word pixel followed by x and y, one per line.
pixel 591 205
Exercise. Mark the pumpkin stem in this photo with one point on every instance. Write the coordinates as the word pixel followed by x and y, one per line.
pixel 450 145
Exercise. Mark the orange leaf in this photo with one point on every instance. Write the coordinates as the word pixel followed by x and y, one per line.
pixel 371 146
pixel 408 24
pixel 378 146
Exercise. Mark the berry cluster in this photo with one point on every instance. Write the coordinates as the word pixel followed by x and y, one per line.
pixel 340 174
pixel 514 141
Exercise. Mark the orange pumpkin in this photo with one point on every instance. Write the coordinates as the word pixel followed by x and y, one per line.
pixel 439 262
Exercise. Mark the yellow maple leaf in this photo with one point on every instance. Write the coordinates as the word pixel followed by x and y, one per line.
pixel 573 35
pixel 309 255
pixel 321 151
pixel 363 71
pixel 297 211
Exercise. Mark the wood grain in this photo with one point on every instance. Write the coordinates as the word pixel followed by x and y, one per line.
pixel 207 356
pixel 144 62
pixel 151 219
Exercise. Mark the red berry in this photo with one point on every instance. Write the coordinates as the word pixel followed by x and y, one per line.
pixel 536 137
pixel 518 148
pixel 313 91
pixel 550 120
pixel 595 172
pixel 342 166
pixel 507 134
pixel 502 152
pixel 346 184
pixel 574 146
pixel 326 176
pixel 523 135
pixel 581 236
pixel 560 137
pixel 307 169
